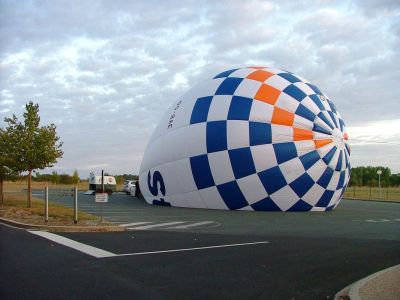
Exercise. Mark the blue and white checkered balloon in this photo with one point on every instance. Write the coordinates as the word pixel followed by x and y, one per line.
pixel 253 138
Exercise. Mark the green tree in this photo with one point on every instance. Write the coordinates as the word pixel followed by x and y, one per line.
pixel 35 147
pixel 75 177
pixel 7 165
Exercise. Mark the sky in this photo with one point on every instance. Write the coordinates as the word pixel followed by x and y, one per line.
pixel 104 72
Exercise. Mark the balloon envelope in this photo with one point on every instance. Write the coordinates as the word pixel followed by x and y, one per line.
pixel 253 138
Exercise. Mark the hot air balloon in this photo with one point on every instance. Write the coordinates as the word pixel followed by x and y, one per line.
pixel 253 138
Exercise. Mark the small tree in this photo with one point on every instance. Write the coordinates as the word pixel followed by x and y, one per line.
pixel 33 147
pixel 75 177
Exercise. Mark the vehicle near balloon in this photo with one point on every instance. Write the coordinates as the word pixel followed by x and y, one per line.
pixel 253 138
pixel 95 184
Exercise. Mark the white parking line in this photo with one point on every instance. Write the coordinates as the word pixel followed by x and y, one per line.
pixel 193 249
pixel 155 225
pixel 134 224
pixel 93 251
pixel 191 225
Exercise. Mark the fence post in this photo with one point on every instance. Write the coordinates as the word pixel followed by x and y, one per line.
pixel 387 192
pixel 75 205
pixel 46 204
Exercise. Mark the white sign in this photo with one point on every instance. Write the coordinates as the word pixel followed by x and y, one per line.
pixel 101 197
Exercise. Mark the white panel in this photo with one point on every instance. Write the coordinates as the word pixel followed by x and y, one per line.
pixel 300 122
pixel 192 199
pixel 248 88
pixel 314 194
pixel 292 169
pixel 238 134
pixel 309 103
pixel 316 208
pixel 196 139
pixel 278 82
pixel 321 123
pixel 252 188
pixel 304 87
pixel 335 198
pixel 285 198
pixel 242 73
pixel 181 114
pixel 219 108
pixel 304 147
pixel 286 102
pixel 321 136
pixel 170 177
pixel 334 181
pixel 281 133
pixel 274 71
pixel 334 159
pixel 203 89
pixel 325 149
pixel 261 112
pixel 212 198
pixel 317 170
pixel 247 208
pixel 221 167
pixel 183 171
pixel 263 157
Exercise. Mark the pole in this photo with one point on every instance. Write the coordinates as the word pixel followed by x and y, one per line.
pixel 102 181
pixel 75 205
pixel 46 204
pixel 379 180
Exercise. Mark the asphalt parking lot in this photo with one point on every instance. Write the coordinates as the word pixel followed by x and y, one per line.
pixel 237 255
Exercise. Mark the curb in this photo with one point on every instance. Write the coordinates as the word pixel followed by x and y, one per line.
pixel 352 292
pixel 64 228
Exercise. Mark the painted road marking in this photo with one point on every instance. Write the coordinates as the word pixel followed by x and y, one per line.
pixel 134 224
pixel 155 225
pixel 193 249
pixel 191 225
pixel 93 251
pixel 100 253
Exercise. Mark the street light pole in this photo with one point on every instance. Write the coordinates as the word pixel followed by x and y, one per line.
pixel 379 172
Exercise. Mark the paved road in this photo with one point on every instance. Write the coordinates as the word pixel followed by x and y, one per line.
pixel 237 255
pixel 352 219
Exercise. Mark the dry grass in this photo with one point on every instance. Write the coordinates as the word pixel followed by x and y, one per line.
pixel 17 186
pixel 372 193
pixel 14 208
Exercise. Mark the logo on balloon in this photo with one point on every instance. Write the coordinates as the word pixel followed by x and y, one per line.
pixel 156 184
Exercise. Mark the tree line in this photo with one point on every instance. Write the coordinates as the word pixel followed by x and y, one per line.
pixel 368 176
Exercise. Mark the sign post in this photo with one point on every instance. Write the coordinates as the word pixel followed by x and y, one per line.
pixel 75 205
pixel 379 172
pixel 101 198
pixel 46 204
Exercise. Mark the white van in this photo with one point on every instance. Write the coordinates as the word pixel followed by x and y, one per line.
pixel 110 184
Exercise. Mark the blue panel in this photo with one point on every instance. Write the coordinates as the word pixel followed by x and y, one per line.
pixel 326 120
pixel 348 148
pixel 341 125
pixel 300 206
pixel 289 77
pixel 325 199
pixel 325 178
pixel 285 151
pixel 242 162
pixel 332 106
pixel 302 184
pixel 232 195
pixel 295 92
pixel 309 159
pixel 339 162
pixel 333 119
pixel 347 159
pixel 314 88
pixel 200 110
pixel 260 133
pixel 228 86
pixel 305 113
pixel 239 108
pixel 272 179
pixel 201 171
pixel 216 136
pixel 328 157
pixel 318 128
pixel 266 204
pixel 225 73
pixel 341 180
pixel 317 101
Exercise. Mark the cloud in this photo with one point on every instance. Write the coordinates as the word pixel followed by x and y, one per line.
pixel 105 71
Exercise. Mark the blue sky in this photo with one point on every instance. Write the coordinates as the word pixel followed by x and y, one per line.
pixel 105 71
